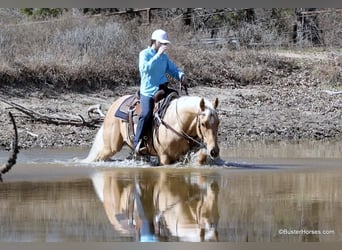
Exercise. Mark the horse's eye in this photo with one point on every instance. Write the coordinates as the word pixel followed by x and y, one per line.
pixel 203 124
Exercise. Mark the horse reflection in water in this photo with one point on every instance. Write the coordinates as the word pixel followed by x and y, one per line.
pixel 160 207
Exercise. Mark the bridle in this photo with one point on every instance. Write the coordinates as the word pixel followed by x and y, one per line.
pixel 182 134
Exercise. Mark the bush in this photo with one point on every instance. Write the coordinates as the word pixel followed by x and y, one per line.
pixel 42 13
pixel 80 52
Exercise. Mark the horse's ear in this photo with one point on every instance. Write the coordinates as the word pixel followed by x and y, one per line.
pixel 215 103
pixel 202 105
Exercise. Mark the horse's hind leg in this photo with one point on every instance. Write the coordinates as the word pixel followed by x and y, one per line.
pixel 108 151
pixel 113 143
pixel 105 155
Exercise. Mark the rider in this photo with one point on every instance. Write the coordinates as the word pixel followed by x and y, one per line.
pixel 154 64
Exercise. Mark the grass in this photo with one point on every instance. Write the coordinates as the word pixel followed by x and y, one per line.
pixel 87 53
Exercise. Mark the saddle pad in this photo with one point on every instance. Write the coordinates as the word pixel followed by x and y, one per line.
pixel 122 111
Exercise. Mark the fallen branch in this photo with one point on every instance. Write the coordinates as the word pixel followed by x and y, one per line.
pixel 32 134
pixel 57 120
pixel 95 109
pixel 15 150
pixel 330 92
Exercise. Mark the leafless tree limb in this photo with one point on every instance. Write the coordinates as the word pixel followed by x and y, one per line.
pixel 15 150
pixel 57 120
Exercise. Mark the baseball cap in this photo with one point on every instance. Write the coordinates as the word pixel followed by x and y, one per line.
pixel 160 35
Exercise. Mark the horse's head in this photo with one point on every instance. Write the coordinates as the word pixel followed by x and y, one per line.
pixel 207 127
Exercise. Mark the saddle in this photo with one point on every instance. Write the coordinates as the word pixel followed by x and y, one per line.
pixel 130 109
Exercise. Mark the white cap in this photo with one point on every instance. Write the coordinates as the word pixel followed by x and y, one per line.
pixel 160 35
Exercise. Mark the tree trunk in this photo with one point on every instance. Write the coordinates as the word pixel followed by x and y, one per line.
pixel 306 28
pixel 187 17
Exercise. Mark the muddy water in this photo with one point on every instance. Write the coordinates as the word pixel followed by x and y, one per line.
pixel 260 192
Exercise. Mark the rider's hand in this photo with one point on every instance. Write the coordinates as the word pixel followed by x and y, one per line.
pixel 184 81
pixel 162 49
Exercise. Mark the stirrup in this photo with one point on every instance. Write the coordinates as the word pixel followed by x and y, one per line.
pixel 139 149
pixel 143 150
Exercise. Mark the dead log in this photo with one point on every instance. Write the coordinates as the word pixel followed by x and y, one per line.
pixel 55 119
pixel 15 150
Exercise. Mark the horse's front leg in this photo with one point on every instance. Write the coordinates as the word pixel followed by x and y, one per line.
pixel 202 156
pixel 164 159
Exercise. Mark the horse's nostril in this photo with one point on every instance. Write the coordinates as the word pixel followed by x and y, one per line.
pixel 214 152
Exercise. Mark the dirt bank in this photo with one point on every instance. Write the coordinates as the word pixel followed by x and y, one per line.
pixel 286 102
pixel 249 113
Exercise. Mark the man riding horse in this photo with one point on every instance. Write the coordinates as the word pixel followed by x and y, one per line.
pixel 154 64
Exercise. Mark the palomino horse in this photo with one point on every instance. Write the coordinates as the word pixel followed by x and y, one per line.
pixel 188 121
pixel 152 206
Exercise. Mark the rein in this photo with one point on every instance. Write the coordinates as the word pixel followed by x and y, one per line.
pixel 182 133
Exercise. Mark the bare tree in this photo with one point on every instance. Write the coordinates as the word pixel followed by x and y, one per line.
pixel 15 150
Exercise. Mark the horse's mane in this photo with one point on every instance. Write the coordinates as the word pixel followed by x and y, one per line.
pixel 192 102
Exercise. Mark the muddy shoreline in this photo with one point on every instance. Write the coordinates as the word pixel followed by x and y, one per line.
pixel 247 113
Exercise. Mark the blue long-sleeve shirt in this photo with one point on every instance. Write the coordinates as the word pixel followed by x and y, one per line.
pixel 153 69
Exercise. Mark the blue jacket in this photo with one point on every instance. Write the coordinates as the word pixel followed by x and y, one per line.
pixel 153 69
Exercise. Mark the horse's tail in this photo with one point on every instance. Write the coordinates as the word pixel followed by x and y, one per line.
pixel 98 183
pixel 96 148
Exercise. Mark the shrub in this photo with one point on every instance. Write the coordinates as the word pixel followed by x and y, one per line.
pixel 42 13
pixel 83 52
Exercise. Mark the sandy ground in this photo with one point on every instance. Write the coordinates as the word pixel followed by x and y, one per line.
pixel 289 105
pixel 249 113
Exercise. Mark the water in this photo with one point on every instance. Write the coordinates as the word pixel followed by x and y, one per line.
pixel 260 193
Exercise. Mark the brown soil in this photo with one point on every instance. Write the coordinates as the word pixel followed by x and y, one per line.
pixel 294 107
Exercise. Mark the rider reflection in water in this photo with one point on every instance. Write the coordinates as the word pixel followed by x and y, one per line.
pixel 154 64
pixel 146 227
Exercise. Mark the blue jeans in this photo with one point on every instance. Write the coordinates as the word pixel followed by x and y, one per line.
pixel 145 118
